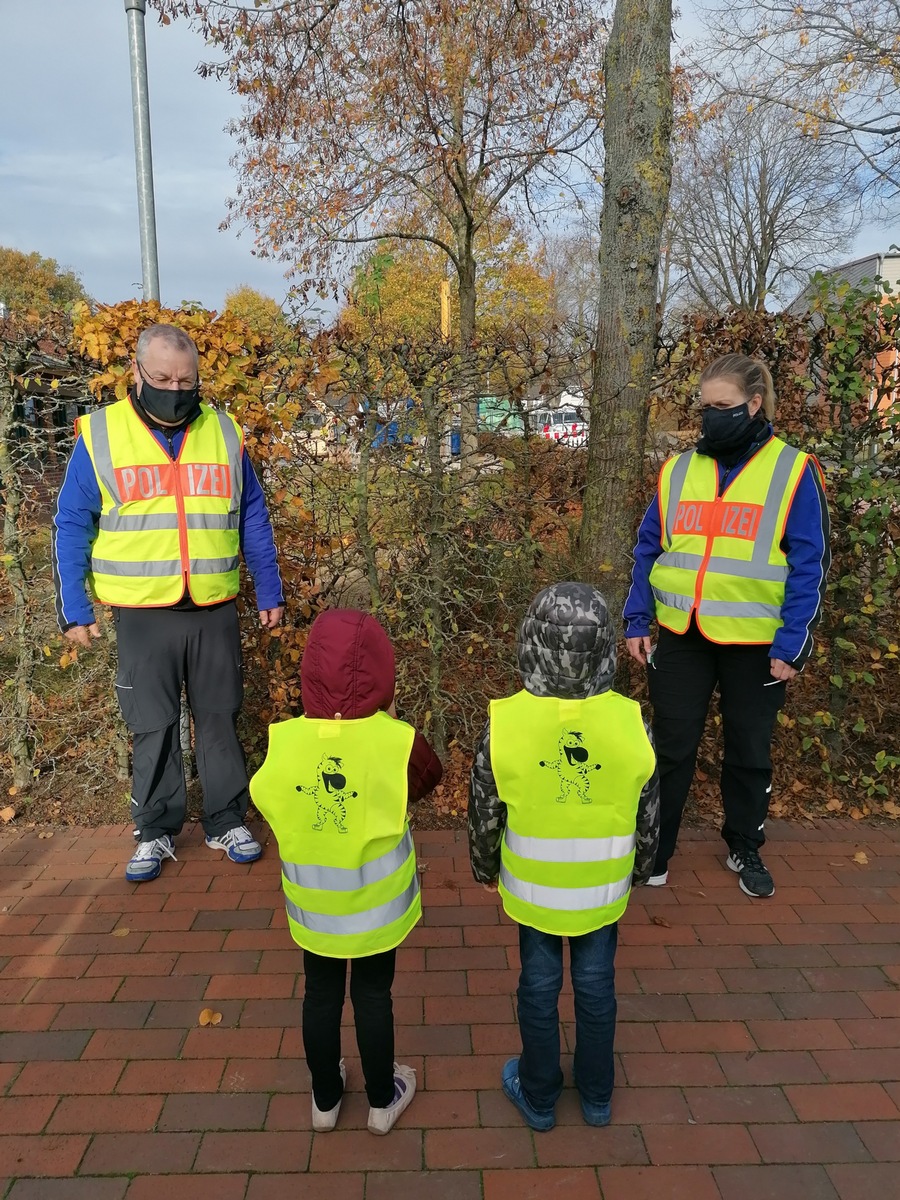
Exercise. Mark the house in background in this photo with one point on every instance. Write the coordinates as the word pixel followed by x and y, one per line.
pixel 870 267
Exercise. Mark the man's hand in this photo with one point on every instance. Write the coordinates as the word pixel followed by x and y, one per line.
pixel 391 709
pixel 490 887
pixel 639 648
pixel 83 634
pixel 270 618
pixel 781 670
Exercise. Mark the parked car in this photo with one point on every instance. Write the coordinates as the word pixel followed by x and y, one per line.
pixel 565 425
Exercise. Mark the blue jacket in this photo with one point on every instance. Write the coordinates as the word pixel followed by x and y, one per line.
pixel 77 517
pixel 805 544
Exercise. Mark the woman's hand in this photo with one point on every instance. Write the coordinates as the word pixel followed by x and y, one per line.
pixel 781 670
pixel 640 649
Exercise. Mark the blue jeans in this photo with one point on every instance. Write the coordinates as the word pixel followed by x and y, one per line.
pixel 593 981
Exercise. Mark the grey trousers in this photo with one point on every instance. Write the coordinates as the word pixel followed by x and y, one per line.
pixel 160 650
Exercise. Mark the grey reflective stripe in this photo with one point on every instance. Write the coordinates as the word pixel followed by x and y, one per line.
pixel 213 566
pixel 673 600
pixel 113 522
pixel 747 570
pixel 349 879
pixel 676 484
pixel 102 455
pixel 765 534
pixel 229 520
pixel 739 608
pixel 564 899
pixel 233 450
pixel 684 561
pixel 367 921
pixel 568 850
pixel 160 567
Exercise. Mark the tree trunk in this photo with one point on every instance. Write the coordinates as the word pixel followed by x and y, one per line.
pixel 13 557
pixel 468 422
pixel 638 169
pixel 436 574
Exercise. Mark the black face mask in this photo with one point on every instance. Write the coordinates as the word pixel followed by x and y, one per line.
pixel 174 406
pixel 725 429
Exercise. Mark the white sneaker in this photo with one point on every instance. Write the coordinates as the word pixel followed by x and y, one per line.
pixel 146 862
pixel 658 880
pixel 324 1122
pixel 239 844
pixel 383 1120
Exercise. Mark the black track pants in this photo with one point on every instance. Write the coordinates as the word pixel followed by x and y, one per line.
pixel 159 650
pixel 686 670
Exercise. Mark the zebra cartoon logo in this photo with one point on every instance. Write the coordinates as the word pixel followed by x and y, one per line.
pixel 572 767
pixel 329 793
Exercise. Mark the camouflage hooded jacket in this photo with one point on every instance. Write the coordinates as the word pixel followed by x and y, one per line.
pixel 566 648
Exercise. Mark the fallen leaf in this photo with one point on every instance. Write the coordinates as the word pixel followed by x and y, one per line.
pixel 834 805
pixel 122 931
pixel 45 833
pixel 655 920
pixel 892 809
pixel 856 814
pixel 12 791
pixel 208 1017
pixel 861 857
pixel 7 814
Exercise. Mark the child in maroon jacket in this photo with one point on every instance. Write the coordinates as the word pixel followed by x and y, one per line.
pixel 347 673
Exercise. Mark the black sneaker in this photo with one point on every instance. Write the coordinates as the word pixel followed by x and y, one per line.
pixel 755 879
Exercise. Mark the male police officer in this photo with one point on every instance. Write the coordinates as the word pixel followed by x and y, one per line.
pixel 158 499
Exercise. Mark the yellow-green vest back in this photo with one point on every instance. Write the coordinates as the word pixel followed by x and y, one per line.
pixel 165 527
pixel 722 558
pixel 335 796
pixel 570 773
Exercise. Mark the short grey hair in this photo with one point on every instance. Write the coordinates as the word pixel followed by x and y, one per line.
pixel 176 338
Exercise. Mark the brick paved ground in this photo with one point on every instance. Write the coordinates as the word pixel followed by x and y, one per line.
pixel 759 1042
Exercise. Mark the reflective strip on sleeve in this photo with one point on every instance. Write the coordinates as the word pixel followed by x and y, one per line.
pixel 367 921
pixel 569 850
pixel 562 899
pixel 349 879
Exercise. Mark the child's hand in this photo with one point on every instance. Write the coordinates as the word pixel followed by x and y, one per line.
pixel 490 887
pixel 391 709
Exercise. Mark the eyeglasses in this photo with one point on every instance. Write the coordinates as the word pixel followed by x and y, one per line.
pixel 165 381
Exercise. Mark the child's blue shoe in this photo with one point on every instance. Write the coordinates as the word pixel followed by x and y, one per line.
pixel 540 1121
pixel 595 1114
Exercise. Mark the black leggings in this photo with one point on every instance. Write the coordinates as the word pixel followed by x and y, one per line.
pixel 686 669
pixel 373 1014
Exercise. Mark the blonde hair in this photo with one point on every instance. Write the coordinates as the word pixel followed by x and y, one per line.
pixel 752 376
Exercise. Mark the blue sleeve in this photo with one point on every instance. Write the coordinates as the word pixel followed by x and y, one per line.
pixel 258 541
pixel 74 530
pixel 639 609
pixel 806 543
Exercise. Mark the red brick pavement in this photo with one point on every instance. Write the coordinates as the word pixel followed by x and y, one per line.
pixel 759 1041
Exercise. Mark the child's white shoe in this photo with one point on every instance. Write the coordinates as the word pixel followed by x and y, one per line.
pixel 324 1122
pixel 383 1120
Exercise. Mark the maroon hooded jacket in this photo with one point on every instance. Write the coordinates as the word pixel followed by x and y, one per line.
pixel 348 671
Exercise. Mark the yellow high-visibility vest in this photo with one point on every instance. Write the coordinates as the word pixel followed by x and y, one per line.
pixel 165 527
pixel 722 558
pixel 335 795
pixel 570 773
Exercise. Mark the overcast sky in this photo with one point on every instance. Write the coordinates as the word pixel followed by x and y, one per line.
pixel 67 186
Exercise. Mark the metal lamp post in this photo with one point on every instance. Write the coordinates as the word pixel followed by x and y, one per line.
pixel 143 158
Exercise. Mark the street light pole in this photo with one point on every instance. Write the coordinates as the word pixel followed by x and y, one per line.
pixel 143 158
